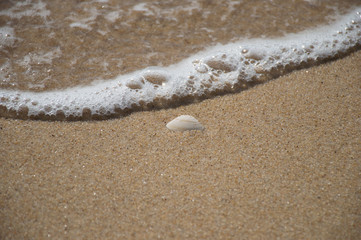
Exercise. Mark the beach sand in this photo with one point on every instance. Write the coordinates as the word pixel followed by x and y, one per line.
pixel 280 160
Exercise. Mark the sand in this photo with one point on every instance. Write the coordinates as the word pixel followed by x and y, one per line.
pixel 280 160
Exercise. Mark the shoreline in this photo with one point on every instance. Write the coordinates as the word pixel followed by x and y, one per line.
pixel 220 69
pixel 281 159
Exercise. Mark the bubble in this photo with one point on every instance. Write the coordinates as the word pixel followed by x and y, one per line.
pixel 220 65
pixel 155 78
pixel 254 54
pixel 86 113
pixel 47 108
pixel 196 61
pixel 307 49
pixel 60 115
pixel 4 99
pixel 23 111
pixel 190 82
pixel 134 85
pixel 201 69
pixel 259 69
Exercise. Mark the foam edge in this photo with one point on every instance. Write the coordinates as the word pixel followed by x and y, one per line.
pixel 218 70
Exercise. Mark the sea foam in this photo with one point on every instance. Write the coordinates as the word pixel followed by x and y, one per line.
pixel 219 69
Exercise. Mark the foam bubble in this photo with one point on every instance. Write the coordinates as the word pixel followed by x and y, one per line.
pixel 220 69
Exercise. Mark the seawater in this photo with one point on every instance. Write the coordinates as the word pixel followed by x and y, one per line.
pixel 100 59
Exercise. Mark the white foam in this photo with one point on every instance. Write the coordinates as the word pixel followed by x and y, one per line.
pixel 113 16
pixel 6 36
pixel 80 25
pixel 222 68
pixel 168 13
pixel 84 21
pixel 40 58
pixel 26 8
pixel 142 7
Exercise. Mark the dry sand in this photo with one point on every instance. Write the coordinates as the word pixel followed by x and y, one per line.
pixel 280 160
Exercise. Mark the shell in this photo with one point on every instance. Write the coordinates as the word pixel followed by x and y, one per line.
pixel 184 123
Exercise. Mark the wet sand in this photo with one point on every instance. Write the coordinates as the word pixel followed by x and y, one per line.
pixel 280 160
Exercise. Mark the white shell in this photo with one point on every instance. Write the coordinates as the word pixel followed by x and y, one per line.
pixel 184 123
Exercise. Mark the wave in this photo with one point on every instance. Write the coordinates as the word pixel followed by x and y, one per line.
pixel 217 70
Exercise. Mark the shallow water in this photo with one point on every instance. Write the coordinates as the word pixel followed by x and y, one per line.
pixel 57 44
pixel 52 45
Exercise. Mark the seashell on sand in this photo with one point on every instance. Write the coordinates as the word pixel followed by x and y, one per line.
pixel 184 123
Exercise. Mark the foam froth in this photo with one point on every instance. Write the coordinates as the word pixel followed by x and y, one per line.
pixel 220 69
